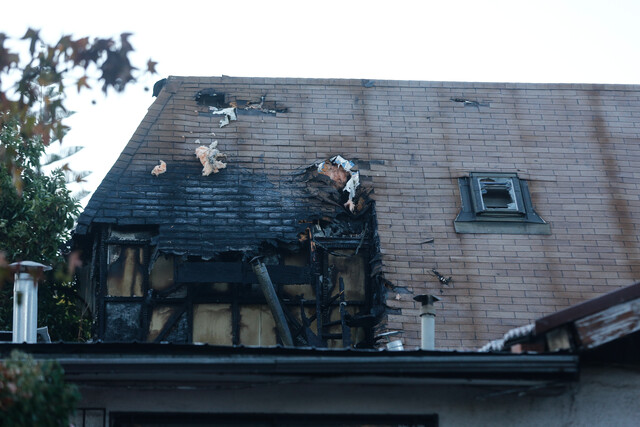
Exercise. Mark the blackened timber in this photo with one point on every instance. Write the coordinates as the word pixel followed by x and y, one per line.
pixel 346 331
pixel 235 316
pixel 330 336
pixel 171 322
pixel 102 283
pixel 237 272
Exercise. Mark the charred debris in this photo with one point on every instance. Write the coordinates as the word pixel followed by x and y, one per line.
pixel 229 110
pixel 327 281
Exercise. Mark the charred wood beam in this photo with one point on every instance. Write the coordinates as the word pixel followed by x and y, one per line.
pixel 346 331
pixel 341 242
pixel 235 315
pixel 237 272
pixel 101 289
pixel 298 334
pixel 229 299
pixel 312 339
pixel 330 336
pixel 364 234
pixel 269 291
pixel 170 324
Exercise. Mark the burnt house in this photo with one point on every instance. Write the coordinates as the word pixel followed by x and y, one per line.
pixel 320 214
pixel 507 201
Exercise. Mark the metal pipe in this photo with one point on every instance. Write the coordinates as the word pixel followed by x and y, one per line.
pixel 269 292
pixel 25 300
pixel 395 345
pixel 428 318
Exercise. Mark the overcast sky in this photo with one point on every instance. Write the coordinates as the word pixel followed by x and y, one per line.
pixel 499 41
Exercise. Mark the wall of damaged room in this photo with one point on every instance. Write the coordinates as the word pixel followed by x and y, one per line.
pixel 325 283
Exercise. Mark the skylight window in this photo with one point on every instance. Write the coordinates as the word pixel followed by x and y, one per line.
pixel 497 202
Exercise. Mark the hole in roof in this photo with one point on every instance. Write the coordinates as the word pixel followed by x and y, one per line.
pixel 210 98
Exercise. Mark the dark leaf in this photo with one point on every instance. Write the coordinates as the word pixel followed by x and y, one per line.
pixel 34 36
pixel 151 66
pixel 124 42
pixel 82 82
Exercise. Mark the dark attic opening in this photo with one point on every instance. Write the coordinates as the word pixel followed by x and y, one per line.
pixel 497 194
pixel 210 98
pixel 326 280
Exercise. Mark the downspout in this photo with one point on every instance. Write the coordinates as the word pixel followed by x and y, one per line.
pixel 269 292
pixel 428 318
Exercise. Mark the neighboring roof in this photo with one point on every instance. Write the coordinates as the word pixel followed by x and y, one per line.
pixel 185 363
pixel 587 308
pixel 583 327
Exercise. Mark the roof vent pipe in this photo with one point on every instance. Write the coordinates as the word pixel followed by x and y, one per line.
pixel 428 318
pixel 25 300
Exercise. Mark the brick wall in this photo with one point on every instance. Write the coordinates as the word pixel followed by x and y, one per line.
pixel 577 146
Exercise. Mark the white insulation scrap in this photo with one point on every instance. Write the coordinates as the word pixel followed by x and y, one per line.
pixel 211 158
pixel 353 182
pixel 159 169
pixel 228 115
pixel 341 161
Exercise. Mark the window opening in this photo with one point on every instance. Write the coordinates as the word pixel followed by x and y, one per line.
pixel 497 202
pixel 497 194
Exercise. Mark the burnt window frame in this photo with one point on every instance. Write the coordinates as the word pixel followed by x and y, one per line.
pixel 128 303
pixel 476 218
pixel 512 186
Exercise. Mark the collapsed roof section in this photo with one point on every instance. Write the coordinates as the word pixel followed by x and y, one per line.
pixel 199 212
pixel 166 245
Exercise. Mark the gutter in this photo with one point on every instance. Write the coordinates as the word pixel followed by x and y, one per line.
pixel 176 364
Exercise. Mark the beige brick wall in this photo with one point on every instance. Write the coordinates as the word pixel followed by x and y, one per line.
pixel 578 146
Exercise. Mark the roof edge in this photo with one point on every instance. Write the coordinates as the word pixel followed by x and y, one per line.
pixel 400 83
pixel 200 363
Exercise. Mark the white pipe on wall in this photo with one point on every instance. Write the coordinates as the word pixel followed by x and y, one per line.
pixel 25 301
pixel 428 320
pixel 25 308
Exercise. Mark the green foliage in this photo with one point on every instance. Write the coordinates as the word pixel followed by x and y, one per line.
pixel 37 211
pixel 34 394
pixel 35 225
pixel 32 87
pixel 43 207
